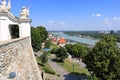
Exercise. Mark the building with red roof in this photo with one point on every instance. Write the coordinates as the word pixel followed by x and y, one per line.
pixel 62 42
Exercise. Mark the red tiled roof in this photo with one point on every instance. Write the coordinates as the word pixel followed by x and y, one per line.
pixel 62 41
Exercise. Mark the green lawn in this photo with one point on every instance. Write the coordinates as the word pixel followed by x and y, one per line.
pixel 54 45
pixel 74 67
pixel 47 68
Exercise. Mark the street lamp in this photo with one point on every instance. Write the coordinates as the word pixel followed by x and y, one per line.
pixel 73 67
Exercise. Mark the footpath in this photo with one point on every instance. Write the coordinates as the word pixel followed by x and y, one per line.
pixel 64 74
pixel 58 69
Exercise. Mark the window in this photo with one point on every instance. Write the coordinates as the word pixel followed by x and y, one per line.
pixel 14 31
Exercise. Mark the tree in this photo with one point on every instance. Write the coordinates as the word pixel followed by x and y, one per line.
pixel 61 54
pixel 104 59
pixel 92 77
pixel 44 58
pixel 69 48
pixel 38 35
pixel 77 50
pixel 47 43
pixel 43 32
pixel 54 50
pixel 36 40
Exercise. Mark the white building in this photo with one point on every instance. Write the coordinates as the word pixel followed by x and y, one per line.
pixel 7 19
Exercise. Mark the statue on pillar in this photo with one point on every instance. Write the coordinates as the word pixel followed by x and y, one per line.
pixel 24 13
pixel 4 7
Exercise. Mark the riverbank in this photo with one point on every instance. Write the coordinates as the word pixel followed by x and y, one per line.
pixel 84 40
pixel 87 41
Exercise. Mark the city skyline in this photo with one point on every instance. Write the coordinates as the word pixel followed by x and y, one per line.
pixel 72 15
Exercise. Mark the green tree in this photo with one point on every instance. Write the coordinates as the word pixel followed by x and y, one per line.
pixel 69 48
pixel 38 35
pixel 54 50
pixel 118 37
pixel 47 43
pixel 77 50
pixel 61 54
pixel 44 58
pixel 104 59
pixel 92 77
pixel 36 40
pixel 43 32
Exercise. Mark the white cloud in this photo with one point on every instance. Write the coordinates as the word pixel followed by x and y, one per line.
pixel 97 15
pixel 112 22
pixel 62 23
pixel 50 23
pixel 56 23
pixel 107 21
pixel 116 18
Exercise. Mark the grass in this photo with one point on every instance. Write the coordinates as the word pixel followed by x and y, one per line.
pixel 47 68
pixel 54 45
pixel 38 59
pixel 74 68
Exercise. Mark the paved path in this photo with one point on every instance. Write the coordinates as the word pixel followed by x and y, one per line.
pixel 83 65
pixel 58 69
pixel 64 75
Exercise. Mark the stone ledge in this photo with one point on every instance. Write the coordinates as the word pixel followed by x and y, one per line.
pixel 10 15
pixel 2 43
pixel 5 79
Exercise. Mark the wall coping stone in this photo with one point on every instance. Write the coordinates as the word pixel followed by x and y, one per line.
pixel 2 43
pixel 10 15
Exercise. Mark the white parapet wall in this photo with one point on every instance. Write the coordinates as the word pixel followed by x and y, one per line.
pixel 7 19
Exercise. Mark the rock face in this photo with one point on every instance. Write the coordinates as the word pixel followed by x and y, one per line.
pixel 17 56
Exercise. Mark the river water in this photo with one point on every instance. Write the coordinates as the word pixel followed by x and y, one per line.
pixel 88 41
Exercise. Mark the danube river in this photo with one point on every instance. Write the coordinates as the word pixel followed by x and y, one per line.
pixel 88 41
pixel 84 40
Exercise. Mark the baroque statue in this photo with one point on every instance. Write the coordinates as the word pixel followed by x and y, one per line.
pixel 24 13
pixel 4 7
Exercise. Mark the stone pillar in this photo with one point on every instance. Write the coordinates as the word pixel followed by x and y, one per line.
pixel 25 29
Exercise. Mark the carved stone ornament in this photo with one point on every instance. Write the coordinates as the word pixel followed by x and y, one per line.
pixel 4 7
pixel 24 13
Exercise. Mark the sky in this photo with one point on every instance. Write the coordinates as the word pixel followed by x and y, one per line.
pixel 74 15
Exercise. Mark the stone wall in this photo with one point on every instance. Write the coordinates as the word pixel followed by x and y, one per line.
pixel 17 56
